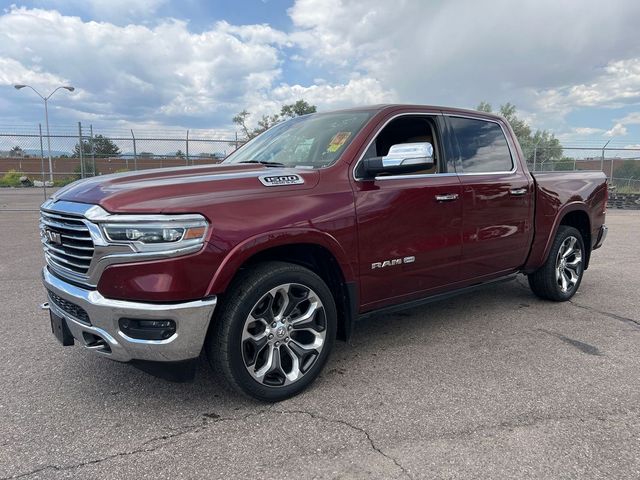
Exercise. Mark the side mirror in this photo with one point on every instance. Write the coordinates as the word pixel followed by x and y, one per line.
pixel 402 158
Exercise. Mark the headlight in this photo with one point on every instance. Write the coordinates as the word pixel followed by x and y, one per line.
pixel 156 233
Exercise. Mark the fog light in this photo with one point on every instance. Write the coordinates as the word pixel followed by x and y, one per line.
pixel 147 329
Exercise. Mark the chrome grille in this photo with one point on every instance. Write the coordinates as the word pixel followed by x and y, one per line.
pixel 66 241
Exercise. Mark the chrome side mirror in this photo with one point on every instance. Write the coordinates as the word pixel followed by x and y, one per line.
pixel 402 158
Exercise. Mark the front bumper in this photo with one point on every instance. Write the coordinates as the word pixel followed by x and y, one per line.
pixel 192 321
pixel 602 235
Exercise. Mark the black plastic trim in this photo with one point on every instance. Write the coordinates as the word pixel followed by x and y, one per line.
pixel 433 298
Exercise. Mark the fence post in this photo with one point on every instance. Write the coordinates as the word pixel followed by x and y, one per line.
pixel 535 154
pixel 44 185
pixel 534 162
pixel 93 151
pixel 187 146
pixel 612 159
pixel 135 153
pixel 602 158
pixel 81 145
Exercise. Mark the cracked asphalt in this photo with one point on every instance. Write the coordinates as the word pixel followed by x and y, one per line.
pixel 495 384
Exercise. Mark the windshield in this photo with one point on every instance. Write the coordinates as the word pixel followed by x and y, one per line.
pixel 310 141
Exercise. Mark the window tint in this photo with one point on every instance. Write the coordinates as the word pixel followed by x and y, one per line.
pixel 482 145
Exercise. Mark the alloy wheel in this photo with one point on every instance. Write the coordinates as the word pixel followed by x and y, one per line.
pixel 283 335
pixel 569 264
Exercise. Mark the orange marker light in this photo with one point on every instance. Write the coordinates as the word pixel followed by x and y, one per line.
pixel 194 232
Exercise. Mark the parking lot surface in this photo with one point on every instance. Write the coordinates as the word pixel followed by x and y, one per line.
pixel 494 384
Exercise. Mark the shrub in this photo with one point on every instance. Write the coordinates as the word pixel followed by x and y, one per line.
pixel 11 179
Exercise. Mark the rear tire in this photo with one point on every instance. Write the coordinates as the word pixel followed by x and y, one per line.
pixel 560 276
pixel 274 331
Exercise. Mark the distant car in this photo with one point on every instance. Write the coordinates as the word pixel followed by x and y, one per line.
pixel 265 259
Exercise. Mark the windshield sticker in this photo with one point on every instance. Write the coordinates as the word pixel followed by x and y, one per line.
pixel 337 141
pixel 277 180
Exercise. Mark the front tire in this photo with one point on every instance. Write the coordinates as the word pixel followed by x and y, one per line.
pixel 274 332
pixel 559 278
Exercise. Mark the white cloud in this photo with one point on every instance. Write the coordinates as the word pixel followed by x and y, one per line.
pixel 13 72
pixel 618 130
pixel 617 85
pixel 357 91
pixel 541 57
pixel 631 119
pixel 588 131
pixel 549 58
pixel 138 71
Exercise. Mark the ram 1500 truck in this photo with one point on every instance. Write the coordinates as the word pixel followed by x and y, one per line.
pixel 264 260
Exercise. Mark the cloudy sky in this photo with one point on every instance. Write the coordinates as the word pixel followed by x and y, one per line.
pixel 570 66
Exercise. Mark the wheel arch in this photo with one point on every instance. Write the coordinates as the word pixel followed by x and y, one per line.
pixel 317 251
pixel 573 215
pixel 579 219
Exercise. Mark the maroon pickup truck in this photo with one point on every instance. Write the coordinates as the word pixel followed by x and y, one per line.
pixel 264 260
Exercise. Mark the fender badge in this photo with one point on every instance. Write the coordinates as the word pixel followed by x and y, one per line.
pixel 277 180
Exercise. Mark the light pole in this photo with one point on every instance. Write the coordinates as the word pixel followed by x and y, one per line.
pixel 46 117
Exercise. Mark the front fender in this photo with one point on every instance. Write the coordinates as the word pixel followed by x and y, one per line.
pixel 277 238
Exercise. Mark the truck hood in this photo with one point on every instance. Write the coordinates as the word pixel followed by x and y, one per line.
pixel 183 189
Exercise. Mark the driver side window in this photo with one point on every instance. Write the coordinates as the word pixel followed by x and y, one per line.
pixel 406 129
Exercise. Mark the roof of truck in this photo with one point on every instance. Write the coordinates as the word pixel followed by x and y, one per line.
pixel 397 106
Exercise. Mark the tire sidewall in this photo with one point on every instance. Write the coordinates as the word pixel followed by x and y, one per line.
pixel 241 376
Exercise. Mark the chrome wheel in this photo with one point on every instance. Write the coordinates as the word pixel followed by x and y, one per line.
pixel 569 264
pixel 284 334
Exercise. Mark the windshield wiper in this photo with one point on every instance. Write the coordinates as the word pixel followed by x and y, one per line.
pixel 264 162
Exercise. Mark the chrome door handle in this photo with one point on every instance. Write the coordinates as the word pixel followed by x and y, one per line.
pixel 518 191
pixel 449 197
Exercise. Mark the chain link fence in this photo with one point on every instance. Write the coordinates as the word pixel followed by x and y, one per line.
pixel 68 154
pixel 621 165
pixel 81 151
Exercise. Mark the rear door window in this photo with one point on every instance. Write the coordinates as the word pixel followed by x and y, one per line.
pixel 482 146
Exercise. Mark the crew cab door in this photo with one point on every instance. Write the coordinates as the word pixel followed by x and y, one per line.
pixel 497 198
pixel 409 226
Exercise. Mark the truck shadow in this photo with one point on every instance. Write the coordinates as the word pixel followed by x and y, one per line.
pixel 421 327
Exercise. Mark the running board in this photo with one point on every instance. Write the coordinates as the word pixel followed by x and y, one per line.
pixel 434 298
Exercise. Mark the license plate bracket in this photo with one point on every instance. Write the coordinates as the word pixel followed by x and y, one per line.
pixel 60 329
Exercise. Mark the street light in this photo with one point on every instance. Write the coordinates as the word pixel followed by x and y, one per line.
pixel 46 116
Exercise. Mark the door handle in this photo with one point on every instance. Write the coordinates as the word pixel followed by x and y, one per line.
pixel 518 191
pixel 449 197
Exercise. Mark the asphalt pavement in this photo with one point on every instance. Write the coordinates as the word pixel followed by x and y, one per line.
pixel 494 384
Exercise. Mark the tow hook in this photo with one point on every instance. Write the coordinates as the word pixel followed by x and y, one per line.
pixel 44 306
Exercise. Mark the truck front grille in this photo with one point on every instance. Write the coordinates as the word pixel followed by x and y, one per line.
pixel 66 241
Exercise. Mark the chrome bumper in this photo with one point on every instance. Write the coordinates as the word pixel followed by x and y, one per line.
pixel 602 235
pixel 192 321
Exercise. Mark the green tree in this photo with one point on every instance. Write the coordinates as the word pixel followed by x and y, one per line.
pixel 484 107
pixel 241 120
pixel 16 152
pixel 301 107
pixel 179 154
pixel 102 147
